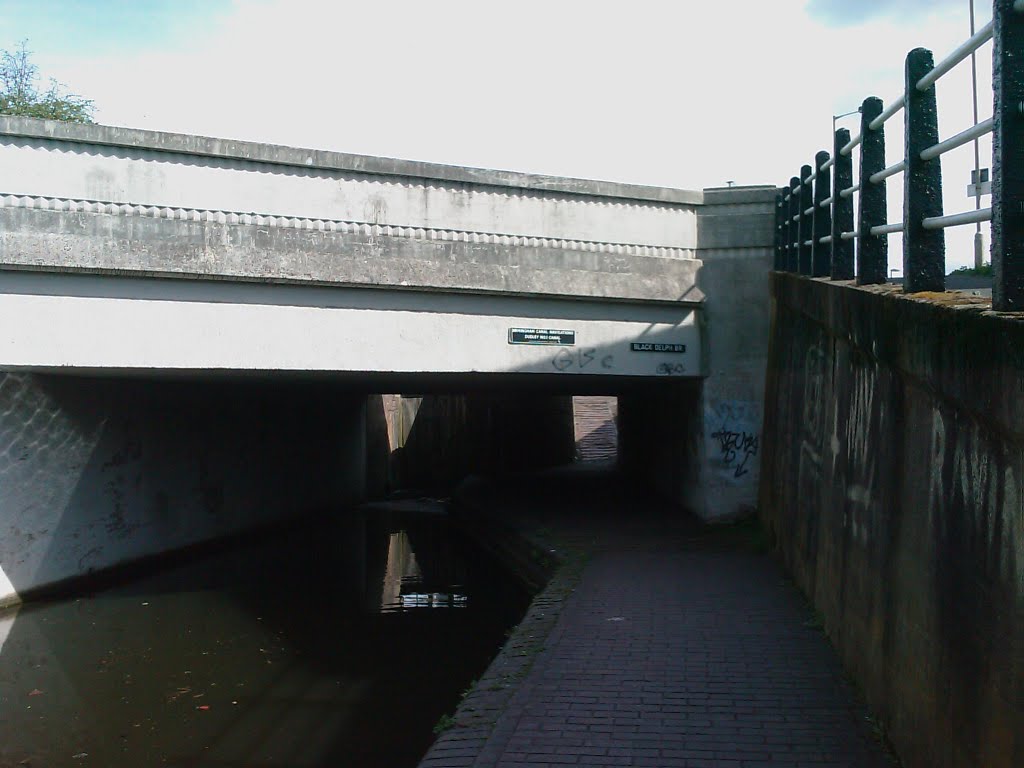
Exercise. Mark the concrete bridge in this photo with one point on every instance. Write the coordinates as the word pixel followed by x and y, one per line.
pixel 192 327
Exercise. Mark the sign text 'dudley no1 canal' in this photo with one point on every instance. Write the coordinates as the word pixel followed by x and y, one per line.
pixel 541 336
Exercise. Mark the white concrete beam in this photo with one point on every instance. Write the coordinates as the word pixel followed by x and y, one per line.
pixel 58 322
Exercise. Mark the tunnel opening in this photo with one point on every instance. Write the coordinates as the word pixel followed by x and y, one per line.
pixel 433 441
pixel 595 422
pixel 647 434
pixel 175 459
pixel 226 523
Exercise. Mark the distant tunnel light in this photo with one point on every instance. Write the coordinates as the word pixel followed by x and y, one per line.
pixel 434 600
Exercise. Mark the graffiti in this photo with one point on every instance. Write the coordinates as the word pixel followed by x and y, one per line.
pixel 565 359
pixel 733 439
pixel 671 369
pixel 736 447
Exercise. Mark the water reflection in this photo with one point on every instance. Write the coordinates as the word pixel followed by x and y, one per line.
pixel 306 649
pixel 404 582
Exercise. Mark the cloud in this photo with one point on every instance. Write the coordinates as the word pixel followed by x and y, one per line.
pixel 677 94
pixel 844 13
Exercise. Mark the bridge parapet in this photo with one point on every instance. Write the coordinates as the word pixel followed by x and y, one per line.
pixel 101 198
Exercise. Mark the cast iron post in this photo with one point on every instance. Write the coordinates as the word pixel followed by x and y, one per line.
pixel 842 209
pixel 924 250
pixel 804 234
pixel 1008 157
pixel 780 257
pixel 873 261
pixel 821 253
pixel 793 222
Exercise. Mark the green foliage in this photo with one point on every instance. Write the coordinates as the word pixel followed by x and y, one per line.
pixel 985 270
pixel 20 93
pixel 442 725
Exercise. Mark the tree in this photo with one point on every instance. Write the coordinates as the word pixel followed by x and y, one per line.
pixel 20 94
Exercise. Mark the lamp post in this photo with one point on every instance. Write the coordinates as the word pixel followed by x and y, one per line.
pixel 979 238
pixel 836 118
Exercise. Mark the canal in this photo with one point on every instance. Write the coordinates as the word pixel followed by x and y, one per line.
pixel 335 644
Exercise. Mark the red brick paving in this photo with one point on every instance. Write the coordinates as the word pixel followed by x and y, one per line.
pixel 674 654
pixel 597 437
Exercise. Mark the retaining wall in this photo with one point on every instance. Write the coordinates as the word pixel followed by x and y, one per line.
pixel 893 482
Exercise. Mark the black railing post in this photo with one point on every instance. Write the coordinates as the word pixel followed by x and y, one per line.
pixel 873 251
pixel 924 250
pixel 784 233
pixel 1008 157
pixel 804 234
pixel 793 222
pixel 821 253
pixel 780 263
pixel 842 209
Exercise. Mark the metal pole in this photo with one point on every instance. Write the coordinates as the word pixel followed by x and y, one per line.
pixel 979 239
pixel 924 250
pixel 1007 157
pixel 873 250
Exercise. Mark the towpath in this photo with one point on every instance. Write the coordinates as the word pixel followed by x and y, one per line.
pixel 674 649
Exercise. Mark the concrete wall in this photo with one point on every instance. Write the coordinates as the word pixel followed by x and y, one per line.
pixel 79 321
pixel 98 472
pixel 150 177
pixel 698 443
pixel 429 443
pixel 661 442
pixel 735 237
pixel 103 199
pixel 432 442
pixel 893 482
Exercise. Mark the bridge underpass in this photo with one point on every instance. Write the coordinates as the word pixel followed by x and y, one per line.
pixel 103 468
pixel 158 290
pixel 198 335
pixel 188 350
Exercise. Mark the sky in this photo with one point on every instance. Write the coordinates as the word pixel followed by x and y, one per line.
pixel 683 93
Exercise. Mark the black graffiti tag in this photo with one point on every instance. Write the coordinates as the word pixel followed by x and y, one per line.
pixel 581 359
pixel 736 448
pixel 563 360
pixel 671 369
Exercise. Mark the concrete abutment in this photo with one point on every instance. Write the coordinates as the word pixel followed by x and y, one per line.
pixel 100 472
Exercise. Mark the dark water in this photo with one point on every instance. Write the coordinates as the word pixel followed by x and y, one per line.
pixel 340 645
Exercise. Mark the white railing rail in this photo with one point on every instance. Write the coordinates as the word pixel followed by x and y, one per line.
pixel 892 170
pixel 835 193
pixel 981 37
pixel 888 112
pixel 972 133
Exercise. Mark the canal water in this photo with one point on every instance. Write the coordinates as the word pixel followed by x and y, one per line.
pixel 331 645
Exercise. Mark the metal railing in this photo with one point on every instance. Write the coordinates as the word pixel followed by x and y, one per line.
pixel 816 234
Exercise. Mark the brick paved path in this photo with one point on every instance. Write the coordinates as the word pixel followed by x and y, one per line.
pixel 597 437
pixel 681 657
